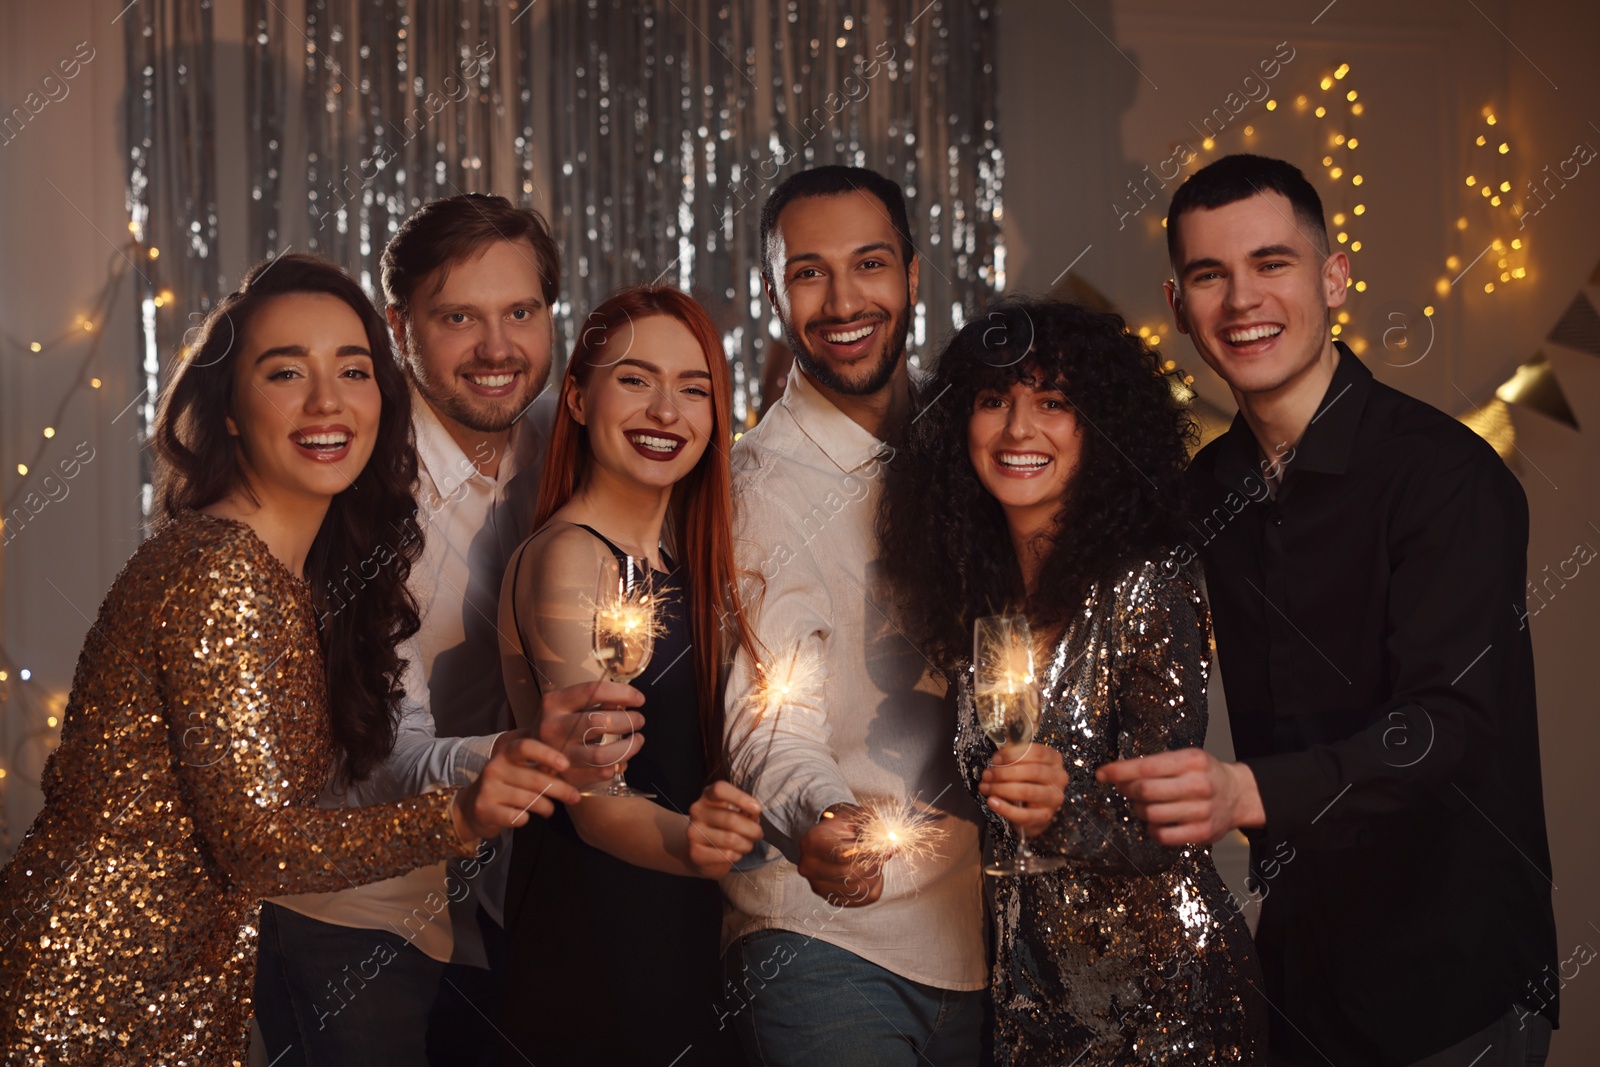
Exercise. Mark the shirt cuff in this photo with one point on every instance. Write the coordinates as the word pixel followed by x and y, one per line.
pixel 470 754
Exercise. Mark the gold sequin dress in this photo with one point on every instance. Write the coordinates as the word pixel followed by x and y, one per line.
pixel 1135 952
pixel 195 742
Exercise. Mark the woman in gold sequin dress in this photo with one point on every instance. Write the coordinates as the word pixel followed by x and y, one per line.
pixel 198 734
pixel 1048 478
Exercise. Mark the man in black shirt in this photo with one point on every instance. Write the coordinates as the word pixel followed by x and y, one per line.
pixel 1365 556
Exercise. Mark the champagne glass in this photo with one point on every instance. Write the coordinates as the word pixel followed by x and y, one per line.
pixel 1007 697
pixel 625 628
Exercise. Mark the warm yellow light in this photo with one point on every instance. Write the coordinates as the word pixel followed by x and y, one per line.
pixel 1488 287
pixel 1482 139
pixel 1344 68
pixel 1356 180
pixel 1360 209
pixel 1351 96
pixel 1461 223
pixel 1486 191
pixel 22 469
pixel 1344 316
pixel 1352 143
pixel 1356 109
pixel 133 227
pixel 1442 286
pixel 1337 329
pixel 1156 339
pixel 1321 111
pixel 1494 200
pixel 94 383
pixel 1300 100
pixel 1505 187
pixel 1208 144
pixel 1498 245
pixel 1343 237
pixel 51 721
pixel 1471 181
pixel 1503 262
pixel 154 252
pixel 1516 242
pixel 87 325
pixel 1327 161
pixel 1338 218
pixel 1272 105
pixel 1163 222
pixel 1358 345
pixel 1338 138
pixel 1520 272
pixel 1327 82
pixel 36 347
pixel 1361 287
pixel 159 301
pixel 1355 246
pixel 1249 131
pixel 1490 119
pixel 1504 148
pixel 1336 172
pixel 4 675
pixel 1428 311
pixel 1452 263
pixel 49 431
pixel 1144 331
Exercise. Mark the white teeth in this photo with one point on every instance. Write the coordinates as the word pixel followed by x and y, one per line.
pixel 1024 463
pixel 1254 333
pixel 654 444
pixel 491 381
pixel 324 440
pixel 847 338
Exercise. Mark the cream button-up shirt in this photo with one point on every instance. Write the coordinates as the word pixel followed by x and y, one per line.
pixel 866 722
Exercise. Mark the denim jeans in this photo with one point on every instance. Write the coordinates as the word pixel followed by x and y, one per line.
pixel 824 1005
pixel 337 996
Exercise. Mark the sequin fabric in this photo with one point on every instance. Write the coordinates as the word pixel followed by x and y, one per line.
pixel 194 744
pixel 1135 952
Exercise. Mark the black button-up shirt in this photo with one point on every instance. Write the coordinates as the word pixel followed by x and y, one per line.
pixel 1372 634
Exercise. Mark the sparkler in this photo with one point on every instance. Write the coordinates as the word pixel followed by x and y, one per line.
pixel 791 678
pixel 897 827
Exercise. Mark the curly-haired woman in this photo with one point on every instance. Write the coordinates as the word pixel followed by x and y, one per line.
pixel 1047 479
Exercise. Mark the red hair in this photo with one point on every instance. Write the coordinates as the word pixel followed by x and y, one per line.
pixel 700 513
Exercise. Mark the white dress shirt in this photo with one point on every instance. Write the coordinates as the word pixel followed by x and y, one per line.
pixel 870 726
pixel 455 703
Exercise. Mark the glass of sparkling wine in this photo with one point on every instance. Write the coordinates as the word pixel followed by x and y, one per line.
pixel 1007 697
pixel 624 638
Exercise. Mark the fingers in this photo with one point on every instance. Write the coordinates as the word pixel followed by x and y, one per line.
pixel 1159 765
pixel 518 785
pixel 587 727
pixel 727 793
pixel 583 695
pixel 1033 794
pixel 1028 820
pixel 1050 774
pixel 723 820
pixel 1159 790
pixel 529 750
pixel 1195 811
pixel 1031 753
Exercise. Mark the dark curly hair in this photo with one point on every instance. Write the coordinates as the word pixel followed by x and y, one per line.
pixel 370 526
pixel 947 550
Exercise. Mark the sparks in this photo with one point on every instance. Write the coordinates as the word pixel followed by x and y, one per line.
pixel 898 828
pixel 791 678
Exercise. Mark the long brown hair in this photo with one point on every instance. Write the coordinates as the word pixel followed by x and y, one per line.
pixel 371 525
pixel 700 512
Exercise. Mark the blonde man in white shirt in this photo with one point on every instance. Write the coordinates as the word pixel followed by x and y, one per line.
pixel 832 958
pixel 401 972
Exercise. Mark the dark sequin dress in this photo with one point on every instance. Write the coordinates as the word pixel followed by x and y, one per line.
pixel 1135 952
pixel 195 742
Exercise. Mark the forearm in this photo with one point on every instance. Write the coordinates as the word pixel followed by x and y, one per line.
pixel 636 831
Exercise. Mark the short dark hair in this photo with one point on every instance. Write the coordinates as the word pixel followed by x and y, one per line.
pixel 1239 177
pixel 834 180
pixel 443 232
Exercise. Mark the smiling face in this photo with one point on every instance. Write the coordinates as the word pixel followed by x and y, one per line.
pixel 842 286
pixel 1253 292
pixel 648 414
pixel 305 403
pixel 478 349
pixel 1024 445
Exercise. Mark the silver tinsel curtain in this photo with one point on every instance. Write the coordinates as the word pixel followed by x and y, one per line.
pixel 662 125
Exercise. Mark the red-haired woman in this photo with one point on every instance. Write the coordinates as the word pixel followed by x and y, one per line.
pixel 621 895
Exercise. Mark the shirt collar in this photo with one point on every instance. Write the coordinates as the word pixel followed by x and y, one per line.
pixel 442 459
pixel 1328 439
pixel 841 438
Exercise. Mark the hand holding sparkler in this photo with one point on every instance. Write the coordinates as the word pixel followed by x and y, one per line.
pixel 832 860
pixel 724 825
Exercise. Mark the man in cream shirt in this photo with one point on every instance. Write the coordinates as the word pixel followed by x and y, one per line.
pixel 831 958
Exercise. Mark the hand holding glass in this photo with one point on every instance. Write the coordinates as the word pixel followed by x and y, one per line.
pixel 1007 697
